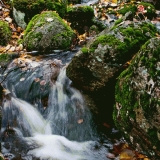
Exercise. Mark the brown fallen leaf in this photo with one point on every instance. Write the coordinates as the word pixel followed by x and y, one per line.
pixel 127 154
pixel 80 121
pixel 43 82
pixel 110 155
pixel 36 79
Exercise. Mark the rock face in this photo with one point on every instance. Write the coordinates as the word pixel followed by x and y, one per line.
pixel 5 33
pixel 48 31
pixel 107 55
pixel 137 109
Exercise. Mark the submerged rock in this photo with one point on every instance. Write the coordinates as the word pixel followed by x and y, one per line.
pixel 47 31
pixel 137 112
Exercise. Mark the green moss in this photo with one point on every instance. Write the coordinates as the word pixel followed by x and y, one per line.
pixel 79 16
pixel 150 62
pixel 128 7
pixel 84 50
pixel 116 23
pixel 4 57
pixel 33 37
pixel 33 34
pixel 152 132
pixel 64 42
pixel 5 33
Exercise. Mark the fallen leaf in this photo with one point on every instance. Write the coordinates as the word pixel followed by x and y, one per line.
pixel 80 121
pixel 8 47
pixel 43 82
pixel 127 154
pixel 110 155
pixel 12 49
pixel 8 19
pixel 15 36
pixel 36 79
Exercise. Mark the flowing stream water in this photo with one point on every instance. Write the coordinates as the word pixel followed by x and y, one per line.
pixel 59 129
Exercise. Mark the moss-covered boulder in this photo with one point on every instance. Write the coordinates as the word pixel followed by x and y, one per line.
pixel 107 55
pixel 137 96
pixel 47 31
pixel 33 7
pixel 80 17
pixel 5 33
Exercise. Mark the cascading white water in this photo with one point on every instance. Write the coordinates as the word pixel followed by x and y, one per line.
pixel 25 116
pixel 61 131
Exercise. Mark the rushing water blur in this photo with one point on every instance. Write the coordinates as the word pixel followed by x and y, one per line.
pixel 43 116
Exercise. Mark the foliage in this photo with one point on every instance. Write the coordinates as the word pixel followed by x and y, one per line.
pixel 31 7
pixel 84 50
pixel 79 16
pixel 5 33
pixel 4 57
pixel 128 7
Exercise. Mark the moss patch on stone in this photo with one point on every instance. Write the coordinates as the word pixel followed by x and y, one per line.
pixel 79 17
pixel 137 96
pixel 5 33
pixel 134 37
pixel 128 7
pixel 47 31
pixel 84 50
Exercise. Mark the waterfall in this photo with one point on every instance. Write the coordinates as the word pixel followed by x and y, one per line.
pixel 61 130
pixel 21 114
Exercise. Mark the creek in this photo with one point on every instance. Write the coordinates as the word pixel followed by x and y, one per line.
pixel 44 117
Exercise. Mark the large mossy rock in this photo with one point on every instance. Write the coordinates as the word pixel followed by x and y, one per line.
pixel 137 109
pixel 80 17
pixel 47 31
pixel 5 33
pixel 105 57
pixel 33 7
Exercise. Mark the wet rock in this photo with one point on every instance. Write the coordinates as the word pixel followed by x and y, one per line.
pixel 47 31
pixel 136 112
pixel 19 18
pixel 106 55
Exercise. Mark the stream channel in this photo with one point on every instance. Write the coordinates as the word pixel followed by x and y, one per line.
pixel 44 117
